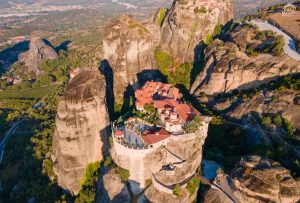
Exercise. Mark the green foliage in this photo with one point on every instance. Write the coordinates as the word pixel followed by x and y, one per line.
pixel 124 174
pixel 266 121
pixel 177 191
pixel 193 125
pixel 202 10
pixel 176 74
pixel 148 182
pixel 182 75
pixel 108 161
pixel 183 2
pixel 193 185
pixel 161 16
pixel 164 61
pixel 208 39
pixel 89 182
pixel 271 43
pixel 251 53
pixel 218 31
pixel 34 93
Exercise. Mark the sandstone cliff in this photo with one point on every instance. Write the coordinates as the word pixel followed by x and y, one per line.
pixel 38 53
pixel 129 49
pixel 81 128
pixel 186 25
pixel 228 67
pixel 256 179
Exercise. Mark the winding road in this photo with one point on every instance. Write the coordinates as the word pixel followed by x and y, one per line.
pixel 290 48
pixel 8 135
pixel 12 130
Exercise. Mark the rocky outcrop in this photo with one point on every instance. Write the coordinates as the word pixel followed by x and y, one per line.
pixel 228 67
pixel 256 179
pixel 113 189
pixel 38 53
pixel 82 127
pixel 284 103
pixel 187 24
pixel 129 49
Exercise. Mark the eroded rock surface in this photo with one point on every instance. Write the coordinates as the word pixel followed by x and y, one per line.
pixel 258 179
pixel 113 189
pixel 81 128
pixel 284 103
pixel 129 49
pixel 228 67
pixel 184 27
pixel 38 53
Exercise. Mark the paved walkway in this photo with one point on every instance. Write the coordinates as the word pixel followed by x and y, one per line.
pixel 290 45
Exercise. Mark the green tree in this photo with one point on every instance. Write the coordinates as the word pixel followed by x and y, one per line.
pixel 89 182
pixel 123 173
pixel 177 191
pixel 193 125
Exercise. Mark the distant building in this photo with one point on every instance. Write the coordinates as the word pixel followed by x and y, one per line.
pixel 289 9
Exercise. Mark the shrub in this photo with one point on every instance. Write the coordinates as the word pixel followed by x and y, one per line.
pixel 183 2
pixel 193 185
pixel 108 161
pixel 193 125
pixel 148 182
pixel 89 182
pixel 177 191
pixel 208 39
pixel 251 53
pixel 161 16
pixel 164 61
pixel 266 121
pixel 124 174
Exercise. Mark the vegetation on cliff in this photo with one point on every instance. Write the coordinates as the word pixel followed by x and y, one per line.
pixel 89 183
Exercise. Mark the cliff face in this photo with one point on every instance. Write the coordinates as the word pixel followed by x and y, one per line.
pixel 38 53
pixel 257 179
pixel 81 128
pixel 228 67
pixel 129 49
pixel 186 25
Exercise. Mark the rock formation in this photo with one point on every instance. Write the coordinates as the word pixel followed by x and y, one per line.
pixel 256 179
pixel 186 25
pixel 184 152
pixel 81 128
pixel 129 49
pixel 38 53
pixel 284 103
pixel 113 189
pixel 228 67
pixel 129 44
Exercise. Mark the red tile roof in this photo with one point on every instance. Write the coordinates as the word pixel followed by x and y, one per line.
pixel 119 133
pixel 152 137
